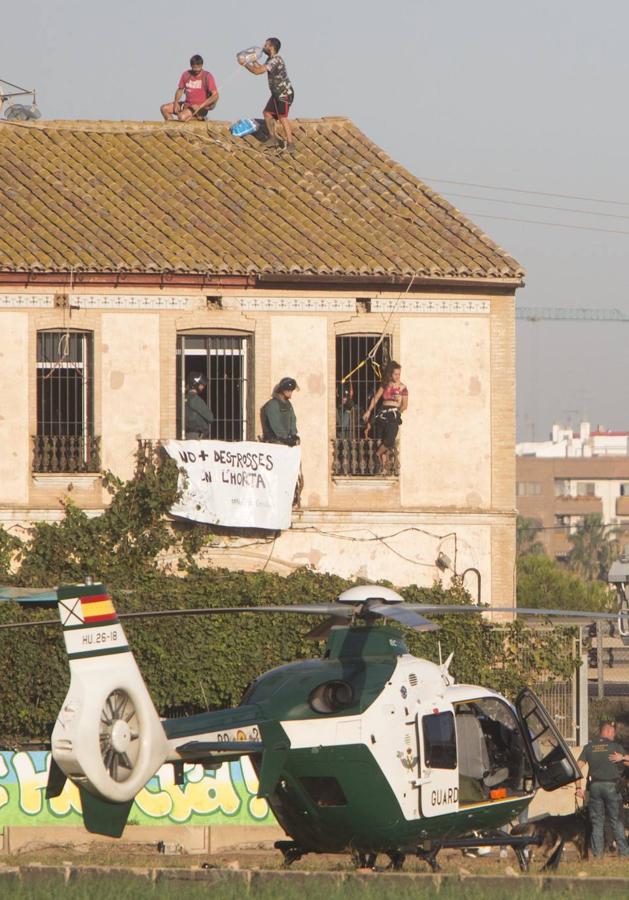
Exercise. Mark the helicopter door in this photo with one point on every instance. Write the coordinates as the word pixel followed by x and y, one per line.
pixel 553 763
pixel 438 774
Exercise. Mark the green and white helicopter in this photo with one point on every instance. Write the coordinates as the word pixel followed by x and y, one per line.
pixel 366 750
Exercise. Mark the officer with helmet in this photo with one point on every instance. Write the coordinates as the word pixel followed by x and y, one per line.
pixel 279 423
pixel 198 415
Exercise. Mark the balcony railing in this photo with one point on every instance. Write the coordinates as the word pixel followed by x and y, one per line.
pixel 578 506
pixel 65 453
pixel 358 458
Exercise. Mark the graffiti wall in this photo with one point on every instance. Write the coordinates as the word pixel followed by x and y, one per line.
pixel 226 796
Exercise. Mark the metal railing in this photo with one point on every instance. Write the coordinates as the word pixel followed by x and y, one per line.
pixel 66 453
pixel 358 458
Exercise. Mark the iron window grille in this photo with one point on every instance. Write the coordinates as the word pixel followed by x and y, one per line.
pixel 356 381
pixel 225 361
pixel 65 440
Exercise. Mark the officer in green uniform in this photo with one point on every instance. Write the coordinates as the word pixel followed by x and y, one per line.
pixel 198 416
pixel 604 758
pixel 279 423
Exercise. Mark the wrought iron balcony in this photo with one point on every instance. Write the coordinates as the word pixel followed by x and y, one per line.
pixel 358 457
pixel 65 453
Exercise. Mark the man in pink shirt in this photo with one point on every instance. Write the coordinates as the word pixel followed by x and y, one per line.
pixel 196 94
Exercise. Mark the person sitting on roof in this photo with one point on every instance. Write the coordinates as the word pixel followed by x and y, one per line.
pixel 282 93
pixel 195 96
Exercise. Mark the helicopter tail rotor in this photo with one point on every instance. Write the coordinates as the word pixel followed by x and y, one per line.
pixel 108 737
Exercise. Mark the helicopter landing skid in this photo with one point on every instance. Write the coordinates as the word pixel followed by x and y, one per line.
pixel 518 844
pixel 291 852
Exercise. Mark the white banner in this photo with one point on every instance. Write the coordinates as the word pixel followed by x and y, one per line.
pixel 245 484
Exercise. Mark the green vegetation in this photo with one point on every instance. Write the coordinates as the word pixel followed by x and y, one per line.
pixel 526 533
pixel 195 663
pixel 594 548
pixel 543 583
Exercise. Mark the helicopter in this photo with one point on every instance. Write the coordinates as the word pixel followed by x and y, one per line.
pixel 366 750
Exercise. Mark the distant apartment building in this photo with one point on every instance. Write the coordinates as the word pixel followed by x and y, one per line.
pixel 574 474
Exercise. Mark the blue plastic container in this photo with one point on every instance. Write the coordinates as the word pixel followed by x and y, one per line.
pixel 243 127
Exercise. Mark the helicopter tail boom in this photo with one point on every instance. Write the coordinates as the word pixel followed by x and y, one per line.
pixel 108 737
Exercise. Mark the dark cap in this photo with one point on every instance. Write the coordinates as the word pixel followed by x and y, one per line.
pixel 288 384
pixel 607 720
pixel 195 379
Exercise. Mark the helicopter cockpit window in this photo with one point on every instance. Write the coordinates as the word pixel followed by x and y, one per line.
pixel 543 742
pixel 331 697
pixel 493 762
pixel 439 741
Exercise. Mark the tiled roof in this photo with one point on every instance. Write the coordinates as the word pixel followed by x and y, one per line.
pixel 189 198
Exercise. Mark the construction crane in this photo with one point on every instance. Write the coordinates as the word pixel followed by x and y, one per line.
pixel 535 313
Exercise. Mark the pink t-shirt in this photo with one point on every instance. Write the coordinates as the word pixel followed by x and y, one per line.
pixel 197 87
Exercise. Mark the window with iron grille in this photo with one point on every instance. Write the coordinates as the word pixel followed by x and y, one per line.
pixel 65 440
pixel 360 363
pixel 225 362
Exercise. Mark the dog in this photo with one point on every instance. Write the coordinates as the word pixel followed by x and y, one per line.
pixel 553 832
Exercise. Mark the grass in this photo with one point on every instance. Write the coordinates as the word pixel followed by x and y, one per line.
pixel 126 888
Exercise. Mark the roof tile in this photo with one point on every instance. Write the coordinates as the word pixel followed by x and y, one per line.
pixel 166 197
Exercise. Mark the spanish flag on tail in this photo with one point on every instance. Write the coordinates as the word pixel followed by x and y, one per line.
pixel 90 624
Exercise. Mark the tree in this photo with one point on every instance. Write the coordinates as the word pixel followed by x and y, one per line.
pixel 542 583
pixel 526 531
pixel 594 548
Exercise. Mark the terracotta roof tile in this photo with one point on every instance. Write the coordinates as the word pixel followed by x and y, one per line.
pixel 166 197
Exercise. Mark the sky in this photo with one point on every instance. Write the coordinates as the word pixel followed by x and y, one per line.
pixel 530 96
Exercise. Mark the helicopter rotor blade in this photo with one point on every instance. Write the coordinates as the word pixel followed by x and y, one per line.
pixel 310 609
pixel 587 615
pixel 403 614
pixel 27 595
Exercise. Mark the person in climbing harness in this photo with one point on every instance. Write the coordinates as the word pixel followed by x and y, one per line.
pixel 195 96
pixel 389 402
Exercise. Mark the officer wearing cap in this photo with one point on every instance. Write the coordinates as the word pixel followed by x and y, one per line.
pixel 604 758
pixel 279 423
pixel 199 416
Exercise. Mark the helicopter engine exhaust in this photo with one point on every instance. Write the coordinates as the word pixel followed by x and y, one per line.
pixel 108 738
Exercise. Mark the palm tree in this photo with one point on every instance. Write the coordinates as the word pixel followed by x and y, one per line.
pixel 594 548
pixel 526 531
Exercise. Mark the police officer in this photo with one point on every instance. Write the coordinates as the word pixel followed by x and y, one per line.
pixel 199 416
pixel 604 758
pixel 279 423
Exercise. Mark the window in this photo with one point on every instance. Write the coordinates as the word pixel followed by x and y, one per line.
pixel 439 741
pixel 225 361
pixel 324 790
pixel 585 489
pixel 562 487
pixel 358 376
pixel 65 440
pixel 529 488
pixel 624 490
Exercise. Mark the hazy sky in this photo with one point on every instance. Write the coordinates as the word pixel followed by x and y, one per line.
pixel 529 94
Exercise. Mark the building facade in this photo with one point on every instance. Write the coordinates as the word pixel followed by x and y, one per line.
pixel 558 493
pixel 133 254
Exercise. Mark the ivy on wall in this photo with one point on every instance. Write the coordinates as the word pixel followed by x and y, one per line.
pixel 196 663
